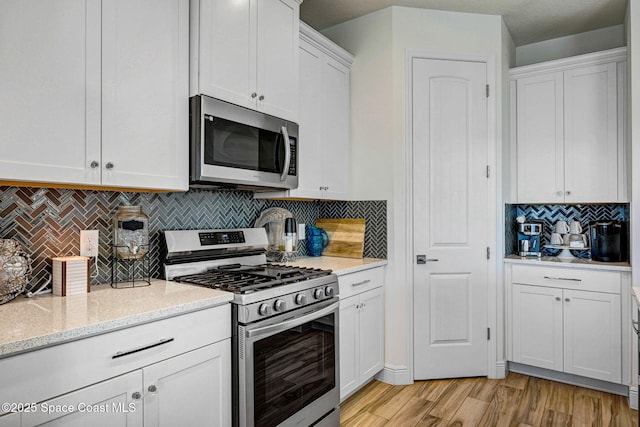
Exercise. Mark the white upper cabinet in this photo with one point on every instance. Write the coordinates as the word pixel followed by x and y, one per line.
pixel 145 105
pixel 323 151
pixel 246 52
pixel 570 131
pixel 98 93
pixel 50 97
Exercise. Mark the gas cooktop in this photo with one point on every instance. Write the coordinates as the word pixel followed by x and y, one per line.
pixel 245 279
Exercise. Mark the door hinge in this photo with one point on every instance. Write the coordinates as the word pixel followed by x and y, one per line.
pixel 488 334
pixel 488 171
pixel 487 91
pixel 488 252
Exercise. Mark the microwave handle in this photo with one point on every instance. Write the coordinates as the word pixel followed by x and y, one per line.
pixel 287 154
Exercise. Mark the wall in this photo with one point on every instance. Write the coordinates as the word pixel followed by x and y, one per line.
pixel 368 38
pixel 576 44
pixel 47 222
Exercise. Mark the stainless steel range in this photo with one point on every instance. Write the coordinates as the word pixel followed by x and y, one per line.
pixel 285 325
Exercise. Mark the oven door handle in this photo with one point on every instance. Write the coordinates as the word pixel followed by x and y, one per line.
pixel 287 154
pixel 281 327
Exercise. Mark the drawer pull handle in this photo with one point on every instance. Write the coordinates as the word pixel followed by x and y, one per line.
pixel 562 278
pixel 364 282
pixel 139 349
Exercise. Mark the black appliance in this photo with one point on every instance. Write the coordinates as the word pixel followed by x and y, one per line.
pixel 608 241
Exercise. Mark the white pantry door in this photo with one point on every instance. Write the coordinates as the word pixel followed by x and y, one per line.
pixel 451 207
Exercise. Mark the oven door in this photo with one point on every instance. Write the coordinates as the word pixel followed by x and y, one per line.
pixel 288 368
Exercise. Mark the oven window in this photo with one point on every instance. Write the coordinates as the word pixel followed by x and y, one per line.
pixel 232 144
pixel 292 369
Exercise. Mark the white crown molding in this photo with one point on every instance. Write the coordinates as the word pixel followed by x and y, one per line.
pixel 611 55
pixel 320 41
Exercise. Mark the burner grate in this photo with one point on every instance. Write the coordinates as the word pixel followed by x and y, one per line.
pixel 247 279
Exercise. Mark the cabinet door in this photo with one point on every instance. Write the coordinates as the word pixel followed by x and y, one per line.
pixel 277 63
pixel 349 343
pixel 226 58
pixel 592 335
pixel 591 134
pixel 371 333
pixel 312 123
pixel 193 389
pixel 50 99
pixel 336 130
pixel 109 403
pixel 145 93
pixel 10 420
pixel 540 154
pixel 537 326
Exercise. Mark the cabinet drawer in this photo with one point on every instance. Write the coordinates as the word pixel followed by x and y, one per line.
pixel 42 374
pixel 567 278
pixel 361 281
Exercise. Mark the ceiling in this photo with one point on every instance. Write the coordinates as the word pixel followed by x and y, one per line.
pixel 528 21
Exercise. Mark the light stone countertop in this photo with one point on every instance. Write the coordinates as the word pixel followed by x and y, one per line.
pixel 339 265
pixel 45 320
pixel 569 262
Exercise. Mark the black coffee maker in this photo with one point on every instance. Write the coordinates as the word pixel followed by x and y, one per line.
pixel 608 241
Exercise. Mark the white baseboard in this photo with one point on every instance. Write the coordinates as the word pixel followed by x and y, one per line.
pixel 633 397
pixel 501 370
pixel 395 375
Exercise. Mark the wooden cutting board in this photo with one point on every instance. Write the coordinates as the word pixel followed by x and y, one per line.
pixel 346 236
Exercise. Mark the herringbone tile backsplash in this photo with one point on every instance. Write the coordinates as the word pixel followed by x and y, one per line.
pixel 550 214
pixel 47 222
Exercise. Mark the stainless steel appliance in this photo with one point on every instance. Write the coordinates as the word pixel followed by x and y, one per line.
pixel 529 237
pixel 608 241
pixel 232 146
pixel 285 325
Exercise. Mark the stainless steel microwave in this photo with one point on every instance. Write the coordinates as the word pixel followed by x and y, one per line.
pixel 232 146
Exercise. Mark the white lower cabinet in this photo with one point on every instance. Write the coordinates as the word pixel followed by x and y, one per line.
pixel 562 327
pixel 110 403
pixel 170 372
pixel 361 329
pixel 191 390
pixel 10 420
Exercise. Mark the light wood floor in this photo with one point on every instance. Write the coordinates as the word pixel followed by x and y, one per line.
pixel 518 401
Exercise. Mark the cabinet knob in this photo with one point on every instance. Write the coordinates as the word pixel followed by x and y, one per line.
pixel 136 395
pixel 261 98
pixel 253 95
pixel 558 193
pixel 109 165
pixel 94 164
pixel 567 300
pixel 558 298
pixel 568 193
pixel 152 388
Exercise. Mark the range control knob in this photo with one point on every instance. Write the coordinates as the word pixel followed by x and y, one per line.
pixel 318 293
pixel 328 291
pixel 264 310
pixel 301 299
pixel 279 305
